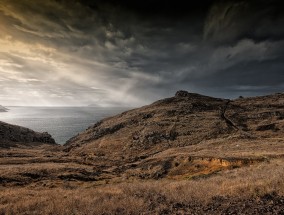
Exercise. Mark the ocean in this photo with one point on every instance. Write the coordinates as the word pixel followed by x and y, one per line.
pixel 61 122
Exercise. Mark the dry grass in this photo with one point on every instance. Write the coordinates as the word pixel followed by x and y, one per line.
pixel 196 140
pixel 150 197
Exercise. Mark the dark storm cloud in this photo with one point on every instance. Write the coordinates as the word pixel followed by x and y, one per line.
pixel 236 48
pixel 131 53
pixel 241 47
pixel 232 20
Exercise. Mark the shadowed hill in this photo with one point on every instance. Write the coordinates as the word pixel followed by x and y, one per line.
pixel 12 135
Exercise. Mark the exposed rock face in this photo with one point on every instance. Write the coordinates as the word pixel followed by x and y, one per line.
pixel 12 134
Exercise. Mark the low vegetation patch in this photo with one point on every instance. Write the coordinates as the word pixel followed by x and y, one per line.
pixel 255 189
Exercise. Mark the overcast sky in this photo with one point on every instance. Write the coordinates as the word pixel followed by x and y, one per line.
pixel 111 53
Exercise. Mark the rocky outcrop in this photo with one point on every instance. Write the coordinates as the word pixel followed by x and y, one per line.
pixel 11 135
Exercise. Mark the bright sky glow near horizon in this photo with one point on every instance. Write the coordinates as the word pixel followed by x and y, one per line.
pixel 131 53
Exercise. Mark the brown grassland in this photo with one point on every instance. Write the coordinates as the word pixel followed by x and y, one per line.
pixel 155 197
pixel 37 188
pixel 189 154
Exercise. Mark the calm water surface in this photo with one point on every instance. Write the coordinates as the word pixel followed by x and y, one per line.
pixel 61 122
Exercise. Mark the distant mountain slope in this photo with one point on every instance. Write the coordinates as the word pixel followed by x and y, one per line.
pixel 11 135
pixel 3 109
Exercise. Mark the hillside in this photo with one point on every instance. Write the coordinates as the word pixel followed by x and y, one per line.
pixel 12 135
pixel 188 154
pixel 169 137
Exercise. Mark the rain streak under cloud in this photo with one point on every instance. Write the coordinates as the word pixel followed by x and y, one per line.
pixel 106 53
